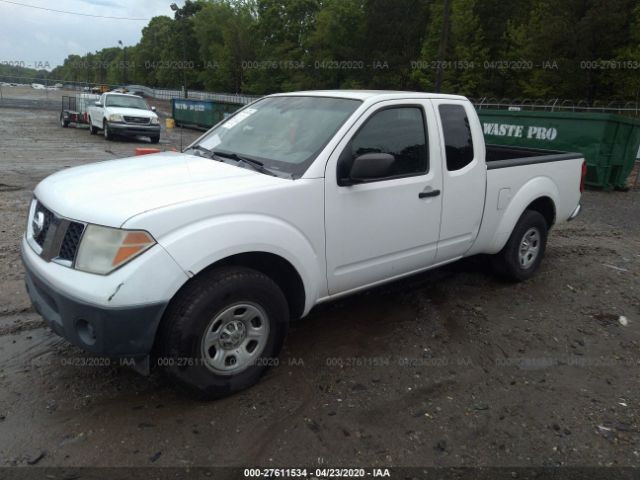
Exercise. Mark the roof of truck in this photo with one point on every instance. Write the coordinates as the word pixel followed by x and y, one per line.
pixel 372 94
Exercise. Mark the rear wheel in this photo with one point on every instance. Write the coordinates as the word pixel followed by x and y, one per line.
pixel 222 331
pixel 521 256
pixel 64 123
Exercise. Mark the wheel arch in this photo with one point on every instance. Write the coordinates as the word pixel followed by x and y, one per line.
pixel 274 266
pixel 277 268
pixel 546 207
pixel 539 194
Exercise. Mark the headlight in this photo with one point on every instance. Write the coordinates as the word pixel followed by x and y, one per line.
pixel 104 249
pixel 116 117
pixel 154 121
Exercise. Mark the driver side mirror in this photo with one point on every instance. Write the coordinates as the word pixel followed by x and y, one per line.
pixel 98 104
pixel 368 167
pixel 153 109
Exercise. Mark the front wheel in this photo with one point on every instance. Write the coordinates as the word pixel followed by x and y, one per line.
pixel 64 123
pixel 223 331
pixel 155 139
pixel 92 130
pixel 107 132
pixel 521 256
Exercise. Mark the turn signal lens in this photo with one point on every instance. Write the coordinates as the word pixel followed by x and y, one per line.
pixel 104 249
pixel 133 244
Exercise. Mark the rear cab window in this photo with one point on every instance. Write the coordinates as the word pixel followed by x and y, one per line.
pixel 457 136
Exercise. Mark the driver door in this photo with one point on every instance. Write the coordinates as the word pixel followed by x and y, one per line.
pixel 388 226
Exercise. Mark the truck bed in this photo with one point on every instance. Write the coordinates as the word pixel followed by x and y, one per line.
pixel 512 173
pixel 501 156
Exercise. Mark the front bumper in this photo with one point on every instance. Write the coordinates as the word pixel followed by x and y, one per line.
pixel 126 129
pixel 114 331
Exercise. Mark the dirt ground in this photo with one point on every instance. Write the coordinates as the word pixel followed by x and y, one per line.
pixel 450 368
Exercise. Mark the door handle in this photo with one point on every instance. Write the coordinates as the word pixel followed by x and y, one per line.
pixel 430 193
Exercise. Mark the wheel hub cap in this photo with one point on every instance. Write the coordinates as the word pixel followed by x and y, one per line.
pixel 529 248
pixel 235 338
pixel 233 334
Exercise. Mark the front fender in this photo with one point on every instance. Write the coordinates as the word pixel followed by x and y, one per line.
pixel 534 189
pixel 199 245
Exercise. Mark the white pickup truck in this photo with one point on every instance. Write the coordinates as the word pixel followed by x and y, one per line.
pixel 125 115
pixel 199 260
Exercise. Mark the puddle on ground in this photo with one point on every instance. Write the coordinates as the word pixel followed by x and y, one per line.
pixel 25 349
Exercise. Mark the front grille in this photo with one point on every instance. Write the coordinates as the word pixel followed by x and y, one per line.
pixel 58 237
pixel 71 241
pixel 137 120
pixel 48 218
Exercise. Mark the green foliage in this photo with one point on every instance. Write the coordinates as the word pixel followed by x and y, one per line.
pixel 338 38
pixel 154 47
pixel 485 48
pixel 10 73
pixel 459 52
pixel 572 45
pixel 393 36
pixel 225 47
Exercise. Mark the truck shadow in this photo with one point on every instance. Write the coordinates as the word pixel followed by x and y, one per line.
pixel 423 306
pixel 362 325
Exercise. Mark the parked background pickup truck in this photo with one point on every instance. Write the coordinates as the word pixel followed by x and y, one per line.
pixel 123 114
pixel 199 260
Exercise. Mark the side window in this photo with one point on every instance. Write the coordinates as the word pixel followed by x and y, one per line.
pixel 457 136
pixel 397 131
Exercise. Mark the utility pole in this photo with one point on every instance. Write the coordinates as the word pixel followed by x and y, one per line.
pixel 444 39
pixel 182 24
pixel 125 63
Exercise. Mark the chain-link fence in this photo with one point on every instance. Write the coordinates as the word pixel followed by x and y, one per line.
pixel 37 93
pixel 20 92
pixel 618 106
pixel 166 94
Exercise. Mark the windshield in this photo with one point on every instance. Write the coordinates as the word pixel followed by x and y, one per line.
pixel 283 133
pixel 126 101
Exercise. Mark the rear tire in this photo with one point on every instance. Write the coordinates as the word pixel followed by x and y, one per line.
pixel 223 331
pixel 63 122
pixel 521 256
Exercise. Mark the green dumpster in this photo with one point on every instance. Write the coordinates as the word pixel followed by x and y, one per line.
pixel 201 114
pixel 608 142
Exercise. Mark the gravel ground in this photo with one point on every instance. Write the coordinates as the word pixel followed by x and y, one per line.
pixel 450 368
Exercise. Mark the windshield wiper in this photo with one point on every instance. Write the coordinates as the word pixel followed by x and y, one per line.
pixel 202 149
pixel 255 164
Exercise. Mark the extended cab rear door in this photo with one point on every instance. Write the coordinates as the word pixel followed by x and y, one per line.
pixel 388 226
pixel 464 176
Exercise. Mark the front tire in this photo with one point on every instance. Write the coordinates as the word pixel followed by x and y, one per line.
pixel 223 331
pixel 107 133
pixel 92 130
pixel 521 256
pixel 155 139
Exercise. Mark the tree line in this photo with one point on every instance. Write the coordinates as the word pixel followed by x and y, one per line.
pixel 577 49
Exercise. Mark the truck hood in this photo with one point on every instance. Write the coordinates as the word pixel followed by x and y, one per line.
pixel 108 193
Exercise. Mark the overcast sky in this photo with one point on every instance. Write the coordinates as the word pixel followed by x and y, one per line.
pixel 39 37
